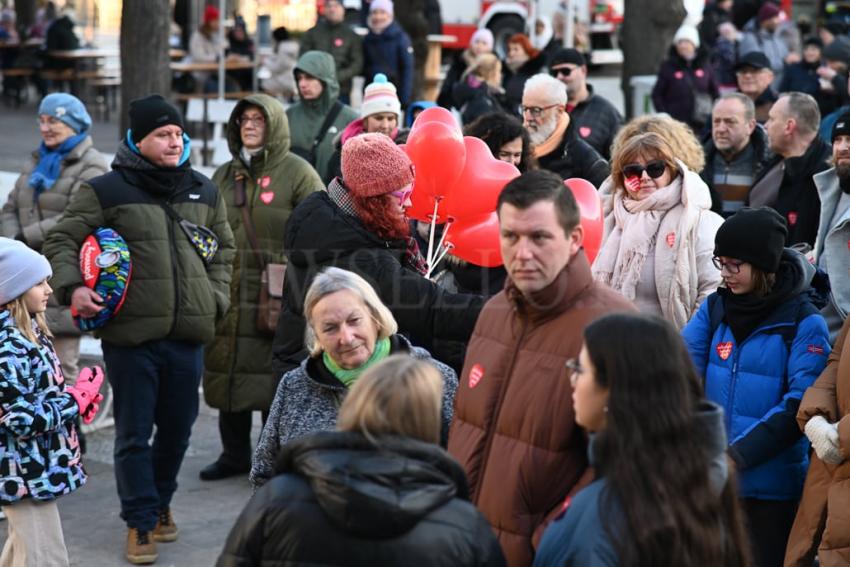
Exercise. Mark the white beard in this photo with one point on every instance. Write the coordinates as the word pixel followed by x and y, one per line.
pixel 543 132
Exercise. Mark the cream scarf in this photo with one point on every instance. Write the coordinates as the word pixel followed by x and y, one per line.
pixel 636 225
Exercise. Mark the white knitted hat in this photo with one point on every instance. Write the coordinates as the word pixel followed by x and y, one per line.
pixel 380 96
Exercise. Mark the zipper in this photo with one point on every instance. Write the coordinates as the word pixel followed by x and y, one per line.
pixel 499 401
pixel 174 270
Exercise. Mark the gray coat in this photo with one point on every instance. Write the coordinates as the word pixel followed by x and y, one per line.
pixel 831 247
pixel 26 220
pixel 308 400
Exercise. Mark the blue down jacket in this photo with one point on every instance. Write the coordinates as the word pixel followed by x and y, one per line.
pixel 39 449
pixel 759 384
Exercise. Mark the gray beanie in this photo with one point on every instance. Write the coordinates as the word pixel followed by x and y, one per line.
pixel 21 268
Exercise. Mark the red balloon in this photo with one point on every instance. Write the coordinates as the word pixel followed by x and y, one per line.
pixel 477 189
pixel 476 240
pixel 438 155
pixel 590 206
pixel 435 114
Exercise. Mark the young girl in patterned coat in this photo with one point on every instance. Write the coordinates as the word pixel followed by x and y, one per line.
pixel 39 449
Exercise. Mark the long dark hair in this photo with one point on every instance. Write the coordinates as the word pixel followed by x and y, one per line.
pixel 659 507
pixel 497 129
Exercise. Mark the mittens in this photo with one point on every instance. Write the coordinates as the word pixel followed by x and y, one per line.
pixel 824 438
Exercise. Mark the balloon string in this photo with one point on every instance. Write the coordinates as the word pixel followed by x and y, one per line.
pixel 440 256
pixel 431 230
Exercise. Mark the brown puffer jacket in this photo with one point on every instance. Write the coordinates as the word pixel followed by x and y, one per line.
pixel 27 220
pixel 514 431
pixel 824 513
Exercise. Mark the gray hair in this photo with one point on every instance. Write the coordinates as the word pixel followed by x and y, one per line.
pixel 804 110
pixel 747 102
pixel 556 92
pixel 331 280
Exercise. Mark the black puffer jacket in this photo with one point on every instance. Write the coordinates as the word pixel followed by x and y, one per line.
pixel 340 500
pixel 576 158
pixel 514 81
pixel 320 234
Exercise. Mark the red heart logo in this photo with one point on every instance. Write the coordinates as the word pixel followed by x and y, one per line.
pixel 699 73
pixel 267 197
pixel 584 131
pixel 476 373
pixel 338 42
pixel 724 350
pixel 671 239
pixel 678 75
pixel 792 218
pixel 264 182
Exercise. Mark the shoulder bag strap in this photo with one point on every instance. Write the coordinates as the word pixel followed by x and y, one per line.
pixel 329 120
pixel 242 203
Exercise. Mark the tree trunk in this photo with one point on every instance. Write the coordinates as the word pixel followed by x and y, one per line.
pixel 410 16
pixel 25 11
pixel 144 52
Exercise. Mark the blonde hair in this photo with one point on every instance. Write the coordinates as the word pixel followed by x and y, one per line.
pixel 331 280
pixel 649 146
pixel 23 320
pixel 398 396
pixel 488 68
pixel 678 136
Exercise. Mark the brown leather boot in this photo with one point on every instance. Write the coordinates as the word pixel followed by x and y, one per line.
pixel 165 530
pixel 141 548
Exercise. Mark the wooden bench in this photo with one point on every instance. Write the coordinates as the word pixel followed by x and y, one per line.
pixel 106 94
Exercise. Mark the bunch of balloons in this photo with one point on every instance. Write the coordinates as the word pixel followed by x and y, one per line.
pixel 457 184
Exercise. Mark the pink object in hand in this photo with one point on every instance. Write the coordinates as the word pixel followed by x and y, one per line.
pixel 87 389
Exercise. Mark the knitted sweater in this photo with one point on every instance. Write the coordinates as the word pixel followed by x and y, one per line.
pixel 308 399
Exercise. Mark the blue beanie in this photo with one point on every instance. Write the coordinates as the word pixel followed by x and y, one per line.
pixel 67 108
pixel 21 268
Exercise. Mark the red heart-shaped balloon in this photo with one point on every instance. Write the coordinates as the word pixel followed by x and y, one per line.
pixel 590 206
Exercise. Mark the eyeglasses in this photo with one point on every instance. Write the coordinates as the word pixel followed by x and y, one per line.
pixel 536 111
pixel 565 71
pixel 509 156
pixel 575 370
pixel 733 267
pixel 402 195
pixel 244 120
pixel 48 121
pixel 654 169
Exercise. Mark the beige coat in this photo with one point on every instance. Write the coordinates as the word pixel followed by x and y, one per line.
pixel 684 273
pixel 26 220
pixel 822 525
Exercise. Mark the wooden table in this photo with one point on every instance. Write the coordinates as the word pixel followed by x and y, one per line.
pixel 82 54
pixel 433 76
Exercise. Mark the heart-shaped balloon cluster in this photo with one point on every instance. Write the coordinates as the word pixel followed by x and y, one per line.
pixel 457 178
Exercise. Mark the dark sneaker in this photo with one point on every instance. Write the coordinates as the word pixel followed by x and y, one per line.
pixel 219 471
pixel 141 548
pixel 165 530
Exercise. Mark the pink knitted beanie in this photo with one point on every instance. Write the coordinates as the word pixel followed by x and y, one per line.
pixel 373 165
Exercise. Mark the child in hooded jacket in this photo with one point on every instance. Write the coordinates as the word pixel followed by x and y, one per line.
pixel 39 448
pixel 759 342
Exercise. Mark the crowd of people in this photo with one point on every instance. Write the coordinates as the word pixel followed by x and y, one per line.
pixel 677 397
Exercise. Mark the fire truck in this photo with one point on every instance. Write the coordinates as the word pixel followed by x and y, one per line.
pixel 506 17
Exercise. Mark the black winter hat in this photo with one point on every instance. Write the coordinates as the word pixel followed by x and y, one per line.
pixel 152 112
pixel 838 50
pixel 842 126
pixel 567 55
pixel 756 236
pixel 754 59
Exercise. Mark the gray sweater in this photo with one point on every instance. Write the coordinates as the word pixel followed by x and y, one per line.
pixel 308 400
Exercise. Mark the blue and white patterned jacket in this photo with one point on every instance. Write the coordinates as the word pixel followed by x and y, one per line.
pixel 39 448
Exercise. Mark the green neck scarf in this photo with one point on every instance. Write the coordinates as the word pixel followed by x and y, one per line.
pixel 347 377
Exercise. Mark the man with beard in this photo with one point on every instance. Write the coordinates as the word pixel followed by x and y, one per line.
pixel 786 184
pixel 832 247
pixel 735 154
pixel 556 145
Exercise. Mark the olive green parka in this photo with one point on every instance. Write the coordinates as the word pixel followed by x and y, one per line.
pixel 238 370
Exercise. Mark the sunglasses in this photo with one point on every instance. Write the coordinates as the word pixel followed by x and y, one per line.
pixel 565 71
pixel 402 195
pixel 654 169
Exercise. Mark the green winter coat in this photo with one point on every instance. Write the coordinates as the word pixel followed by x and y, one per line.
pixel 171 294
pixel 344 45
pixel 307 116
pixel 238 366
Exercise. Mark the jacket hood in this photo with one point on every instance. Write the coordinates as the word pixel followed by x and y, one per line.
pixel 277 127
pixel 379 490
pixel 320 65
pixel 414 107
pixel 711 435
pixel 808 278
